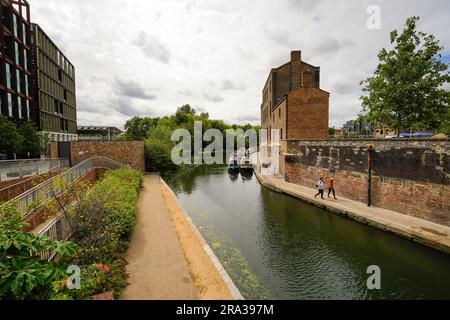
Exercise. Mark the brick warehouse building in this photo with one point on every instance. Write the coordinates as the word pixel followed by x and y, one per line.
pixel 294 103
pixel 53 88
pixel 15 62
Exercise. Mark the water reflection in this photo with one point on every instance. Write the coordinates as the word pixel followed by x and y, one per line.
pixel 298 251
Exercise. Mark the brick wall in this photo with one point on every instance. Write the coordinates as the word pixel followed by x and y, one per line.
pixel 307 114
pixel 411 177
pixel 126 152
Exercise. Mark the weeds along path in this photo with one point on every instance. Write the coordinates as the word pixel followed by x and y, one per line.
pixel 156 267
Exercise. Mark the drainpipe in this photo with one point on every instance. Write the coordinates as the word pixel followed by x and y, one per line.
pixel 369 185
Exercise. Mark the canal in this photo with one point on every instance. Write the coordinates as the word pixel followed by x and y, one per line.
pixel 277 247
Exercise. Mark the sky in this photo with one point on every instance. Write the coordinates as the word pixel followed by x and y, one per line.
pixel 147 58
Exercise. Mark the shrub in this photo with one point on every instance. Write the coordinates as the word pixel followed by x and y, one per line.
pixel 23 275
pixel 103 220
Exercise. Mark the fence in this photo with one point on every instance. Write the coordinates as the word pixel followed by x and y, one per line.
pixel 40 194
pixel 13 169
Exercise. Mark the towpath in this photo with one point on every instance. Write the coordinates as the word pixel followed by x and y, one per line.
pixel 156 267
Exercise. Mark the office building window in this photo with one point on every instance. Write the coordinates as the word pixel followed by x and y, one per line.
pixel 8 75
pixel 28 109
pixel 27 88
pixel 18 80
pixel 16 45
pixel 10 105
pixel 19 107
pixel 24 33
pixel 15 25
pixel 25 59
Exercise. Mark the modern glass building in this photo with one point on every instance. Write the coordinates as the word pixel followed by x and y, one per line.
pixel 54 88
pixel 15 62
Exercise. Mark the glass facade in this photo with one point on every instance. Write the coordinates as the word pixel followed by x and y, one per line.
pixel 56 97
pixel 15 62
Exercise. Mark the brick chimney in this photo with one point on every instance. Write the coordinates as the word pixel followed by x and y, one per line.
pixel 296 70
pixel 296 56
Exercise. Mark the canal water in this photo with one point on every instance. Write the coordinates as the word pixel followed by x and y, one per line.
pixel 277 247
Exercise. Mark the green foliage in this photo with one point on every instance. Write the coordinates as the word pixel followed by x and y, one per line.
pixel 406 90
pixel 157 134
pixel 103 219
pixel 10 139
pixel 21 140
pixel 32 141
pixel 23 275
pixel 331 132
pixel 95 279
pixel 137 128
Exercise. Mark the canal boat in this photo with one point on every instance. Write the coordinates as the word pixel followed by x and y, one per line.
pixel 246 166
pixel 233 164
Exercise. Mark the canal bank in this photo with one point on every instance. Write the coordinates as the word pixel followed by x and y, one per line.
pixel 415 229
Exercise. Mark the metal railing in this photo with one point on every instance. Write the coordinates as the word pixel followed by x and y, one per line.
pixel 13 169
pixel 40 194
pixel 58 229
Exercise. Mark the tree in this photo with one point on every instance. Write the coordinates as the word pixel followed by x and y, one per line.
pixel 10 139
pixel 406 90
pixel 331 132
pixel 137 128
pixel 32 142
pixel 187 109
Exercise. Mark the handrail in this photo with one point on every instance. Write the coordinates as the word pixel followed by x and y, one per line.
pixel 43 192
pixel 12 169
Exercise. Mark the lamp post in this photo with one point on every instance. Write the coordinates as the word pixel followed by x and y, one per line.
pixel 369 184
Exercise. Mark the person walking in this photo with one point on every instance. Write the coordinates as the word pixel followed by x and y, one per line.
pixel 320 187
pixel 331 188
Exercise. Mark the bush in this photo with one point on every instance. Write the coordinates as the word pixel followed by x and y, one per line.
pixel 23 275
pixel 103 220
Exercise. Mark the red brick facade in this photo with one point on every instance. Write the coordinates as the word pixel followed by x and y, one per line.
pixel 294 103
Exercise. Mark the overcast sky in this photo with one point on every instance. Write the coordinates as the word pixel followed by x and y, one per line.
pixel 146 58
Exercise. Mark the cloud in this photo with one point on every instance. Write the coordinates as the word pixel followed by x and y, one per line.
pixel 213 97
pixel 148 57
pixel 127 107
pixel 230 85
pixel 248 118
pixel 132 89
pixel 152 47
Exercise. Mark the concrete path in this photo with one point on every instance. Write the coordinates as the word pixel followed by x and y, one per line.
pixel 156 267
pixel 419 230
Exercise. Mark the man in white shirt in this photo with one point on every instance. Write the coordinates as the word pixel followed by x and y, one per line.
pixel 320 186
